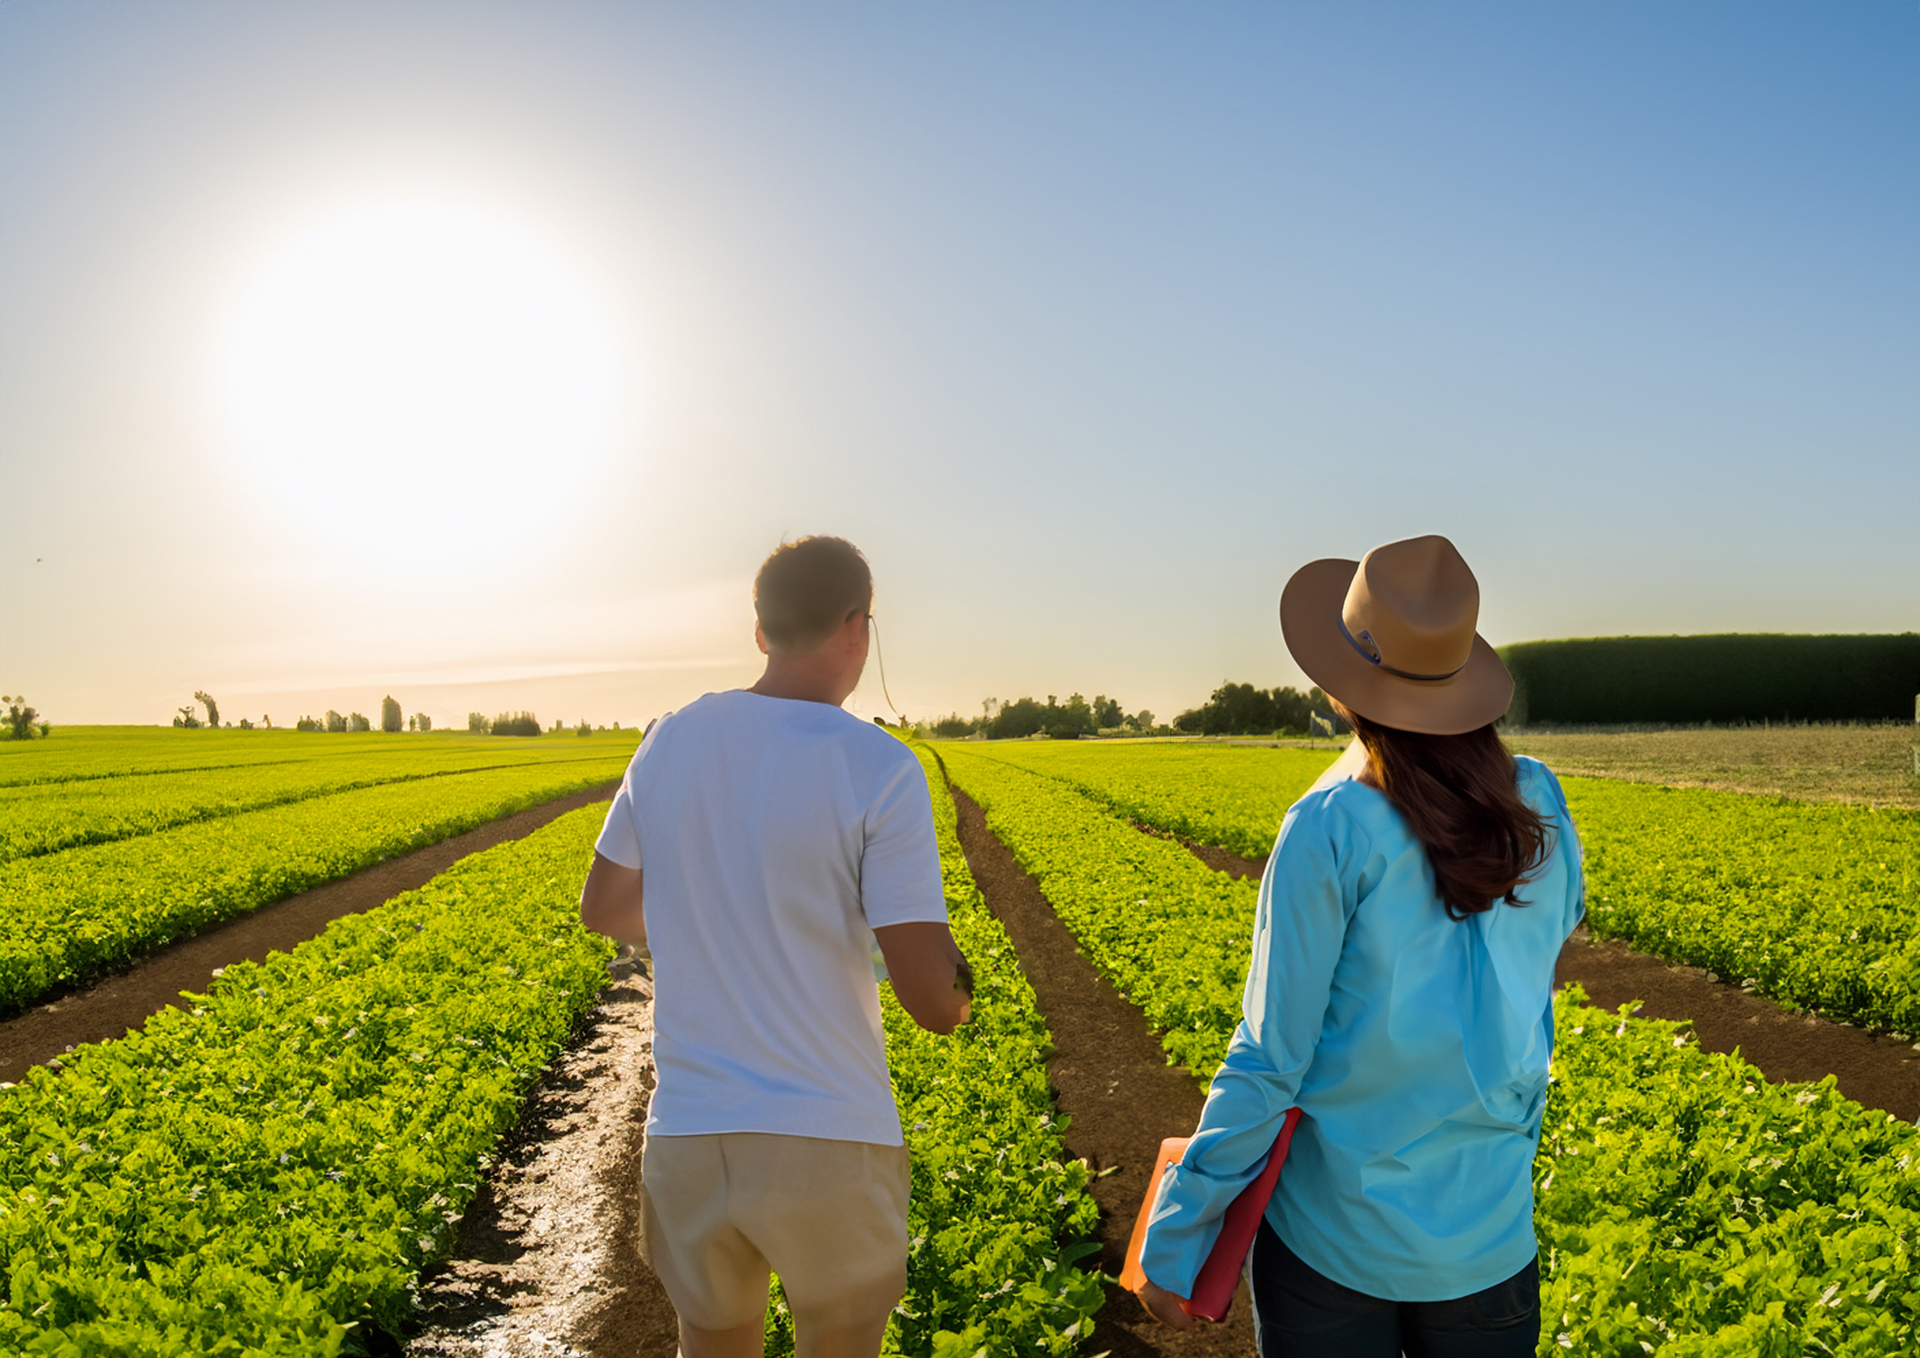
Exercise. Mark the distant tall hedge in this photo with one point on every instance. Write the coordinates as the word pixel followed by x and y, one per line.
pixel 1732 677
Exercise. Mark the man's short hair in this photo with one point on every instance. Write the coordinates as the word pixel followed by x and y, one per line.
pixel 806 589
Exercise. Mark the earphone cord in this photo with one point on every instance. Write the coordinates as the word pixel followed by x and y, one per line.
pixel 879 655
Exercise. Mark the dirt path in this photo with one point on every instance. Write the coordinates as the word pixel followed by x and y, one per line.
pixel 546 1262
pixel 112 1007
pixel 1111 1077
pixel 1786 1045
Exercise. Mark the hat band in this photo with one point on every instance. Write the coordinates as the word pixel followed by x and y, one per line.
pixel 1370 652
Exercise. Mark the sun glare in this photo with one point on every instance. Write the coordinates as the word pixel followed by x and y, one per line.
pixel 411 379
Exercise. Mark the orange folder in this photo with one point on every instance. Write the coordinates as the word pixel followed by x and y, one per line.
pixel 1220 1274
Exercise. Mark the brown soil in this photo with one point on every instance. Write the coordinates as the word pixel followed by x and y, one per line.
pixel 117 1005
pixel 1111 1078
pixel 1786 1045
pixel 546 1261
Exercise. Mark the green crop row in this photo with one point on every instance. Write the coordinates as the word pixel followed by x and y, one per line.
pixel 999 1214
pixel 268 1172
pixel 68 917
pixel 1814 904
pixel 78 754
pixel 1230 796
pixel 1683 1205
pixel 1686 1207
pixel 45 818
pixel 1117 889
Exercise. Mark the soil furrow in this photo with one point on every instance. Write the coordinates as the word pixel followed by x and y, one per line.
pixel 112 1007
pixel 547 1260
pixel 1786 1045
pixel 1111 1078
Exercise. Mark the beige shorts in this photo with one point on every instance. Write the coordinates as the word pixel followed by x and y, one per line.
pixel 830 1217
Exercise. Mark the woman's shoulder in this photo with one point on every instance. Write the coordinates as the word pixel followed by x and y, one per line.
pixel 1536 778
pixel 1531 770
pixel 1343 807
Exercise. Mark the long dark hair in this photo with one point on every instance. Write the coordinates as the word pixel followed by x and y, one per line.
pixel 1461 799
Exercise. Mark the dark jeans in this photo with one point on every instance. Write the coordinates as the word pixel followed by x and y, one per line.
pixel 1299 1313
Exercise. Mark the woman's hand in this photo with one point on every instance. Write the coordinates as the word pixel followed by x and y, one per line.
pixel 1163 1306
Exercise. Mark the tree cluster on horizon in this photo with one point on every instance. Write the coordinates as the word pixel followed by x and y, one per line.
pixel 22 720
pixel 1076 717
pixel 1243 710
pixel 1232 709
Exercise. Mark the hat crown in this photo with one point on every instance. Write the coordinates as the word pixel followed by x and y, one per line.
pixel 1412 607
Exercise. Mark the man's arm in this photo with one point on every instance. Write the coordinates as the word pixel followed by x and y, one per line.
pixel 610 903
pixel 930 976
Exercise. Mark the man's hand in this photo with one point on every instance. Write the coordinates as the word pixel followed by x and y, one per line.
pixel 1163 1306
pixel 931 978
pixel 611 903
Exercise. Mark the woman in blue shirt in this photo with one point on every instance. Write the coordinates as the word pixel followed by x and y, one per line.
pixel 1400 995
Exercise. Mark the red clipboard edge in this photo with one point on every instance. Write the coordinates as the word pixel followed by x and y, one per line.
pixel 1214 1286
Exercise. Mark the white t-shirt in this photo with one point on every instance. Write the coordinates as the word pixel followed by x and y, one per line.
pixel 775 834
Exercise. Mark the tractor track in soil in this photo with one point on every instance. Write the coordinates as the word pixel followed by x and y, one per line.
pixel 120 1003
pixel 546 1262
pixel 1111 1078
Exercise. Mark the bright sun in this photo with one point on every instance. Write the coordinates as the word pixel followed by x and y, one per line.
pixel 416 381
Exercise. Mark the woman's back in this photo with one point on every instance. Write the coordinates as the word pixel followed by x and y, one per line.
pixel 1410 1174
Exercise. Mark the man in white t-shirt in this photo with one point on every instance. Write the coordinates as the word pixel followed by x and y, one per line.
pixel 779 838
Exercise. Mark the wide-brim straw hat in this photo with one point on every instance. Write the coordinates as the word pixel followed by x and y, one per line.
pixel 1392 637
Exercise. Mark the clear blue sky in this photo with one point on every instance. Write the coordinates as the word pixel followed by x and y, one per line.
pixel 1089 323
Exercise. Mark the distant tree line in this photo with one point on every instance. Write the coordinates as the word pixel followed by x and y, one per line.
pixel 1232 710
pixel 1028 717
pixel 1243 710
pixel 1730 678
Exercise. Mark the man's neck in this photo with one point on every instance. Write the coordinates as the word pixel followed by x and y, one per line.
pixel 793 678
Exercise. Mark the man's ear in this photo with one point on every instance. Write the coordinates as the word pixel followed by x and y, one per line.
pixel 760 640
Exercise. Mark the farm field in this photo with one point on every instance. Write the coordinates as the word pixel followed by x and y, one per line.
pixel 272 1170
pixel 1865 764
pixel 78 753
pixel 1816 905
pixel 268 1172
pixel 277 1165
pixel 1230 796
pixel 1684 1205
pixel 47 816
pixel 73 913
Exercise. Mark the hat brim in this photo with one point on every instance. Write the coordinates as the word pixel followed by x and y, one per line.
pixel 1310 609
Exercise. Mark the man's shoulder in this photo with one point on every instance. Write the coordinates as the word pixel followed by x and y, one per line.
pixel 741 714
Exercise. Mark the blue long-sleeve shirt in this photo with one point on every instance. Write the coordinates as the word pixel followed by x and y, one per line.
pixel 1415 1045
